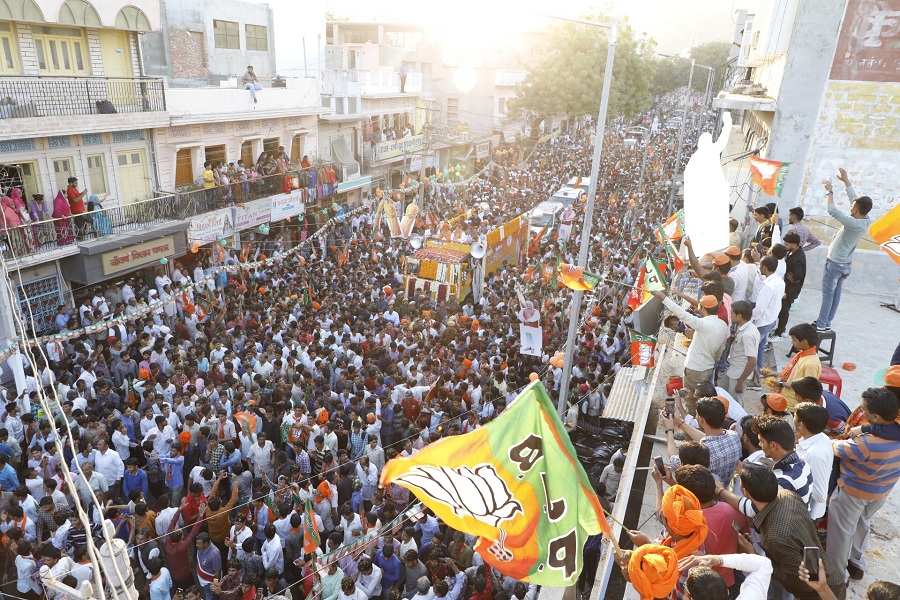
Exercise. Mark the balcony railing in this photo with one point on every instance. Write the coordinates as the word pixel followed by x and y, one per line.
pixel 38 96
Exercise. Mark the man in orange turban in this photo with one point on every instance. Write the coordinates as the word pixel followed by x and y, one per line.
pixel 653 571
pixel 684 521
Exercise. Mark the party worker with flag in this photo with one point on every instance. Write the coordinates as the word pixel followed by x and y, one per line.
pixel 516 483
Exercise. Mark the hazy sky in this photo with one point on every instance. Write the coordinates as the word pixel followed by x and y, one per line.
pixel 674 25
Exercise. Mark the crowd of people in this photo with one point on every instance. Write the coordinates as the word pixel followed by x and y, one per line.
pixel 202 429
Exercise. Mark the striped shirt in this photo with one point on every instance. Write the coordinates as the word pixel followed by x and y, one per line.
pixel 793 475
pixel 870 466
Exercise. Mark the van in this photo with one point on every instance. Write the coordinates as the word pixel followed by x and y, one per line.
pixel 545 214
pixel 568 196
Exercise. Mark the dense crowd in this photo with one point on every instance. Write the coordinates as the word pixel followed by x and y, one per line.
pixel 204 427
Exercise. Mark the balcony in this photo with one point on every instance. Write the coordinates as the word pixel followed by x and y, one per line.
pixel 39 106
pixel 232 102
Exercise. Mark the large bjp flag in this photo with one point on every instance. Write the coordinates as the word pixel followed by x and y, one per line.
pixel 516 483
pixel 886 233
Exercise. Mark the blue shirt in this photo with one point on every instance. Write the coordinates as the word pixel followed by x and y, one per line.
pixel 174 468
pixel 229 461
pixel 8 450
pixel 161 586
pixel 8 478
pixel 794 475
pixel 138 481
pixel 390 569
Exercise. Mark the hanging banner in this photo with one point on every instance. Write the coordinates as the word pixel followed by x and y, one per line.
pixel 211 226
pixel 482 150
pixel 532 340
pixel 137 255
pixel 286 205
pixel 394 148
pixel 252 214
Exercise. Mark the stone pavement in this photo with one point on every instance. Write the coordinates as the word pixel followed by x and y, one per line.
pixel 866 336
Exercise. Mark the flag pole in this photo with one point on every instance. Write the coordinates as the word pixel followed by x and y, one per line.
pixel 612 40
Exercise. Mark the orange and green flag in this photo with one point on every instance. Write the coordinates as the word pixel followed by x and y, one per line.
pixel 311 538
pixel 654 280
pixel 886 233
pixel 673 228
pixel 769 175
pixel 576 278
pixel 642 349
pixel 516 483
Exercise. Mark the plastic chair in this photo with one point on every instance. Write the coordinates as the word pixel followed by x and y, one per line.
pixel 831 379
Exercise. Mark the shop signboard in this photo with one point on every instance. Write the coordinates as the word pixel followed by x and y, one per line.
pixel 209 227
pixel 252 214
pixel 394 148
pixel 415 162
pixel 482 150
pixel 126 259
pixel 286 205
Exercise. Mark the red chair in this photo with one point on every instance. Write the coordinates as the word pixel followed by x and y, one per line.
pixel 831 379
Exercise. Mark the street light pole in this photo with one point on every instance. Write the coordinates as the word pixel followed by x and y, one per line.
pixel 577 295
pixel 684 118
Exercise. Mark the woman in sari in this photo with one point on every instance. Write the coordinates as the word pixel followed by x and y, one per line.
pixel 65 232
pixel 11 223
pixel 29 240
pixel 99 219
pixel 40 213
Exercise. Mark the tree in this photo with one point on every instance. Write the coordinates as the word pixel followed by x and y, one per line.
pixel 568 78
pixel 672 73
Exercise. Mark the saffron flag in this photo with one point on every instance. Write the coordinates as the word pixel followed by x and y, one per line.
pixel 769 175
pixel 886 233
pixel 636 297
pixel 654 280
pixel 671 250
pixel 576 278
pixel 642 349
pixel 311 538
pixel 516 483
pixel 673 228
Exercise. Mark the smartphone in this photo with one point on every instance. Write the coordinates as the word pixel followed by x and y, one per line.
pixel 660 466
pixel 670 406
pixel 736 527
pixel 811 562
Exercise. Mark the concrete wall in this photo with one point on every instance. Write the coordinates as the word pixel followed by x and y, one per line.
pixel 186 48
pixel 809 57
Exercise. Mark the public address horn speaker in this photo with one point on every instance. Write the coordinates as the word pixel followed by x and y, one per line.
pixel 477 250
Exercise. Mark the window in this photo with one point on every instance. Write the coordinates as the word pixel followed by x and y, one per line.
pixel 501 106
pixel 96 174
pixel 60 50
pixel 62 170
pixel 9 56
pixel 227 35
pixel 452 109
pixel 257 38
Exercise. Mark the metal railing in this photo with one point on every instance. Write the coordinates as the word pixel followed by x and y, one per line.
pixel 222 196
pixel 43 236
pixel 46 96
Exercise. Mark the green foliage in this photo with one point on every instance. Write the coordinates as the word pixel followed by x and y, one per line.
pixel 672 73
pixel 568 77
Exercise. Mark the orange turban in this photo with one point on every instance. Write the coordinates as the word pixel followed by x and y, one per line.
pixel 682 511
pixel 324 489
pixel 322 417
pixel 184 438
pixel 653 571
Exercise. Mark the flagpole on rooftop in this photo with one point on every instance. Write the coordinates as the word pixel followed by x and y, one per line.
pixel 613 34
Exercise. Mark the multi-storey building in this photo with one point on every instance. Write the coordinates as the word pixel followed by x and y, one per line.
pixel 817 84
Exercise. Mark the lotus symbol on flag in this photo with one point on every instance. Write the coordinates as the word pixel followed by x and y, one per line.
pixel 646 354
pixel 479 493
pixel 892 245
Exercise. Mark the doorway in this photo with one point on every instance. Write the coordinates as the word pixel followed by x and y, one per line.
pixel 115 49
pixel 131 168
pixel 215 154
pixel 247 153
pixel 297 148
pixel 184 168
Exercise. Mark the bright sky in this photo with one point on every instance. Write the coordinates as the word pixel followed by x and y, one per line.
pixel 669 23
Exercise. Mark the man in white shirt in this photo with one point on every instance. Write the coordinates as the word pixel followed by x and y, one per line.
pixel 768 305
pixel 703 583
pixel 816 450
pixel 108 463
pixel 272 553
pixel 706 346
pixel 744 348
pixel 162 436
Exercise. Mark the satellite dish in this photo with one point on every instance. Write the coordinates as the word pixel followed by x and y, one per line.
pixel 415 240
pixel 477 250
